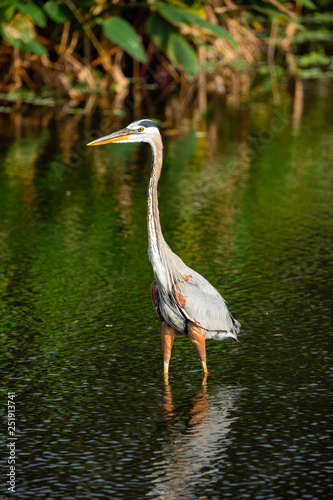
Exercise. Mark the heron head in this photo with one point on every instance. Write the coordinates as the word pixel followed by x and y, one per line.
pixel 139 131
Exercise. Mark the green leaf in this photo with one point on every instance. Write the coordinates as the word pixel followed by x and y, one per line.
pixel 29 45
pixel 176 16
pixel 159 30
pixel 181 52
pixel 214 29
pixel 33 11
pixel 308 3
pixel 7 11
pixel 270 10
pixel 35 47
pixel 121 33
pixel 56 11
pixel 173 14
pixel 175 46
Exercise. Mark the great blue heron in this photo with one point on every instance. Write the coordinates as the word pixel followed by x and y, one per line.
pixel 184 301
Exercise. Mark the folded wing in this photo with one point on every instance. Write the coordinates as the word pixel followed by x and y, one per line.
pixel 202 304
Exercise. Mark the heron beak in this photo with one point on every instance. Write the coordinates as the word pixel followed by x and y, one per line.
pixel 121 135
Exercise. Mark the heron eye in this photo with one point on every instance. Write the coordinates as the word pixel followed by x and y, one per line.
pixel 140 129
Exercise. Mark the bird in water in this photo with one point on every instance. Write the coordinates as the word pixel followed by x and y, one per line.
pixel 184 300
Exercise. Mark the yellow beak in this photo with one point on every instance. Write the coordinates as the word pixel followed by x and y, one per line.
pixel 121 135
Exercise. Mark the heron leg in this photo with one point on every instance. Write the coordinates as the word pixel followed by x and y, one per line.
pixel 167 336
pixel 154 298
pixel 197 337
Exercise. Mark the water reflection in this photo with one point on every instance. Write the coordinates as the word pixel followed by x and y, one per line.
pixel 248 205
pixel 189 448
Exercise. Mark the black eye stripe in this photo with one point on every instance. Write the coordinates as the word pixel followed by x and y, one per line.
pixel 148 123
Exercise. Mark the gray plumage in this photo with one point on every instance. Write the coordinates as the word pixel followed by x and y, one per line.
pixel 204 305
pixel 186 301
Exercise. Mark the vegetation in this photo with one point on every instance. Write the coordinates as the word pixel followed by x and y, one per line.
pixel 79 48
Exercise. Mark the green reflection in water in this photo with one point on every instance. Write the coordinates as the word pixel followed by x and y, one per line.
pixel 247 206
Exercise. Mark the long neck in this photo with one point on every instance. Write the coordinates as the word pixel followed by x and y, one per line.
pixel 155 237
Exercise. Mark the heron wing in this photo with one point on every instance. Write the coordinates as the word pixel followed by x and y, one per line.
pixel 202 304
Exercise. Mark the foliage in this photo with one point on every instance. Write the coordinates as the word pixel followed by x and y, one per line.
pixel 73 47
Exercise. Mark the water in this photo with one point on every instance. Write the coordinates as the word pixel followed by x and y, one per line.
pixel 247 202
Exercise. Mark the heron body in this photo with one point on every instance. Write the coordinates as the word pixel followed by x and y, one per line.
pixel 183 299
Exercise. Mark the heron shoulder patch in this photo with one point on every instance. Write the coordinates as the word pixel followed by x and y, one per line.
pixel 180 299
pixel 186 277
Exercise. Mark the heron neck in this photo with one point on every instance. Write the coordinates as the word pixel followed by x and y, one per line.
pixel 155 236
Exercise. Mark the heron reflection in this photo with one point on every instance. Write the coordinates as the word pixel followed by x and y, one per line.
pixel 187 448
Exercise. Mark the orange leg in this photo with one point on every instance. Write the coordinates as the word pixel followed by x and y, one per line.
pixel 154 298
pixel 167 336
pixel 197 337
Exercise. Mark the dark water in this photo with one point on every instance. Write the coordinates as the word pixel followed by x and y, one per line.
pixel 247 201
